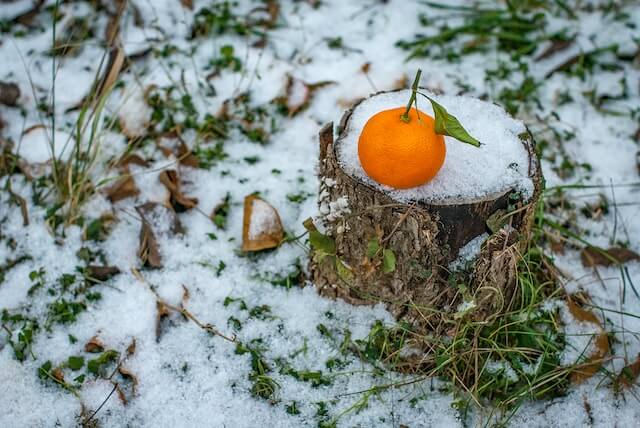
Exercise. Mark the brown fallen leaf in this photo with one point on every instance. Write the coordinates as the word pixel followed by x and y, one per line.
pixel 162 312
pixel 131 349
pixel 187 3
pixel 592 256
pixel 177 199
pixel 26 18
pixel 298 94
pixel 601 343
pixel 131 380
pixel 180 150
pixel 148 250
pixel 629 374
pixel 9 93
pixel 94 345
pixel 165 221
pixel 554 47
pixel 261 226
pixel 124 188
pixel 58 374
pixel 131 159
pixel 185 295
pixel 102 273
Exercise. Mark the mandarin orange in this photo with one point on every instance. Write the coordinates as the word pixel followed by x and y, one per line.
pixel 401 154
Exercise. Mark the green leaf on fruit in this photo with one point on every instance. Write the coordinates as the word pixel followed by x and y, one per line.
pixel 447 124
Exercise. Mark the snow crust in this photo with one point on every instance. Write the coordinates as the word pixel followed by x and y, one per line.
pixel 469 173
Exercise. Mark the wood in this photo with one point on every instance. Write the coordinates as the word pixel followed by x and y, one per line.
pixel 425 239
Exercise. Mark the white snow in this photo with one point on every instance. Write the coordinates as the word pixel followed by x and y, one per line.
pixel 468 252
pixel 264 219
pixel 189 378
pixel 469 173
pixel 39 144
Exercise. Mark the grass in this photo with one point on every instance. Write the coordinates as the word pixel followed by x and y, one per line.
pixel 495 364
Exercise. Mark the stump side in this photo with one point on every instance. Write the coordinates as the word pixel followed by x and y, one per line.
pixel 424 238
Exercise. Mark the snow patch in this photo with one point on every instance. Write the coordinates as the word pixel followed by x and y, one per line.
pixel 469 173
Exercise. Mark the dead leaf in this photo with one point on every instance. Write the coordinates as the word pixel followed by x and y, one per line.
pixel 271 11
pixel 26 18
pixel 298 94
pixel 102 273
pixel 178 201
pixel 365 67
pixel 130 159
pixel 9 93
pixel 148 250
pixel 121 395
pixel 187 3
pixel 162 312
pixel 152 213
pixel 593 256
pixel 116 61
pixel 131 379
pixel 261 225
pixel 122 189
pixel 185 295
pixel 553 48
pixel 94 345
pixel 601 343
pixel 629 374
pixel 113 25
pixel 131 349
pixel 180 150
pixel 58 374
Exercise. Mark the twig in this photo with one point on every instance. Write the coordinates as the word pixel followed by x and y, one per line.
pixel 209 328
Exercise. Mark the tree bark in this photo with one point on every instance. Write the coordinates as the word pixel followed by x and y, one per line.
pixel 424 238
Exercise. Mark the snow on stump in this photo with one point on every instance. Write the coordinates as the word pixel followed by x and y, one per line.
pixel 412 249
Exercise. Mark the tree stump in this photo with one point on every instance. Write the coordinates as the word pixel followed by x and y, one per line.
pixel 425 238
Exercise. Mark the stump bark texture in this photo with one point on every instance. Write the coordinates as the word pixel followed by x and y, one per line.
pixel 424 239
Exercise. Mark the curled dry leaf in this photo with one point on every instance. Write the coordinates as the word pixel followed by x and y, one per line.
pixel 58 374
pixel 162 312
pixel 179 149
pixel 125 187
pixel 600 343
pixel 177 200
pixel 131 349
pixel 298 94
pixel 132 383
pixel 156 219
pixel 122 189
pixel 102 273
pixel 9 93
pixel 94 345
pixel 185 295
pixel 261 225
pixel 592 256
pixel 187 3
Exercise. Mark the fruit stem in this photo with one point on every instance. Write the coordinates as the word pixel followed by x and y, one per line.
pixel 414 90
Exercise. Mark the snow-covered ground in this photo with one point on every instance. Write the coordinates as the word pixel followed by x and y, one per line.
pixel 179 374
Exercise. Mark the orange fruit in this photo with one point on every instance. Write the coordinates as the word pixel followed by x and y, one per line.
pixel 401 154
